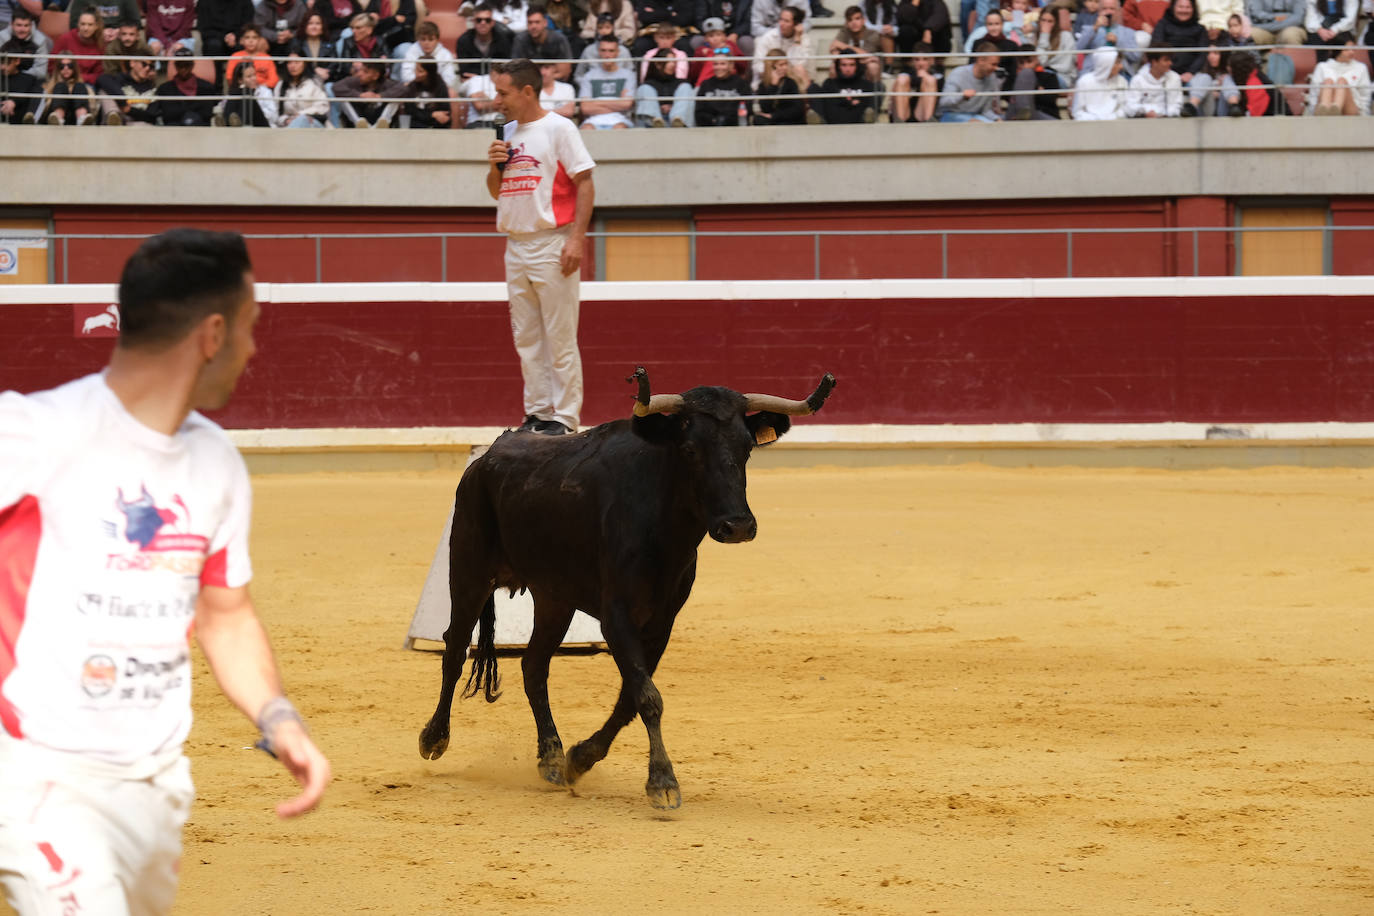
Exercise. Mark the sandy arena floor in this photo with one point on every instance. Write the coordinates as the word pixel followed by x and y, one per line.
pixel 955 690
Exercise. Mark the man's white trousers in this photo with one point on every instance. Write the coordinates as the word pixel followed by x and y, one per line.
pixel 544 308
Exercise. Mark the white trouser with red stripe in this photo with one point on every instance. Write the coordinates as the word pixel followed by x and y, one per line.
pixel 544 307
pixel 77 841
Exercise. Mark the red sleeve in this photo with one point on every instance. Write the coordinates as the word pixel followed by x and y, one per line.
pixel 1256 97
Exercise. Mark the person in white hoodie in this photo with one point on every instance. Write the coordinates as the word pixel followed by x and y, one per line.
pixel 1156 91
pixel 301 101
pixel 1339 85
pixel 1100 93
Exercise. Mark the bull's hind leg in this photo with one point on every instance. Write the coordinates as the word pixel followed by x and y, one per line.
pixel 468 604
pixel 550 624
pixel 637 659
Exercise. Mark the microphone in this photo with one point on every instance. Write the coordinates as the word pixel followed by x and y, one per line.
pixel 500 124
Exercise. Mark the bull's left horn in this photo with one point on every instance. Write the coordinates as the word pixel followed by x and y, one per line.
pixel 793 408
pixel 659 403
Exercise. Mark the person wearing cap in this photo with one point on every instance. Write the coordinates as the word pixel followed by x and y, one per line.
pixel 717 37
pixel 606 25
pixel 185 100
pixel 621 15
pixel 734 16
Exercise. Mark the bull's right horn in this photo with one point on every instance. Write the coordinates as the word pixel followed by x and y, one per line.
pixel 659 403
pixel 793 408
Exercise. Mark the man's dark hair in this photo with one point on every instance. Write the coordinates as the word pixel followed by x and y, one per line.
pixel 922 49
pixel 484 7
pixel 427 29
pixel 22 13
pixel 522 72
pixel 537 8
pixel 850 11
pixel 175 280
pixel 377 65
pixel 986 47
pixel 798 14
pixel 128 23
pixel 1158 54
pixel 250 27
pixel 608 40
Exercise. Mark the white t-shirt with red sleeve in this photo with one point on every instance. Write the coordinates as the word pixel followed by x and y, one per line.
pixel 108 531
pixel 537 190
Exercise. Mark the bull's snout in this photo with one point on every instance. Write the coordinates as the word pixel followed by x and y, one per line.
pixel 735 530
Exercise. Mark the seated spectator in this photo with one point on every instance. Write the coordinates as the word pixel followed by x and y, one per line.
pixel 1056 44
pixel 20 91
pixel 110 12
pixel 1107 31
pixel 1259 98
pixel 1211 92
pixel 338 16
pixel 280 21
pixel 366 91
pixel 621 16
pixel 510 14
pixel 1327 21
pixel 1339 85
pixel 311 44
pixel 1020 21
pixel 1036 91
pixel 1141 16
pixel 857 38
pixel 716 37
pixel 68 99
pixel 1277 21
pixel 126 43
pixel 970 91
pixel 1086 17
pixel 653 13
pixel 218 22
pixel 733 17
pixel 1156 90
pixel 787 36
pixel 848 97
pixel 251 105
pixel 396 27
pixel 485 41
pixel 427 45
pixel 301 100
pixel 664 95
pixel 1179 28
pixel 765 15
pixel 565 17
pixel 556 96
pixel 480 110
pixel 719 99
pixel 606 92
pixel 539 42
pixel 185 100
pixel 926 21
pixel 252 44
pixel 170 24
pixel 1213 15
pixel 665 37
pixel 787 107
pixel 993 29
pixel 433 105
pixel 922 79
pixel 127 98
pixel 881 17
pixel 83 46
pixel 361 45
pixel 30 41
pixel 1236 34
pixel 1100 93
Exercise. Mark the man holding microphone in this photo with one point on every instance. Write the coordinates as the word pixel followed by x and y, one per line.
pixel 541 179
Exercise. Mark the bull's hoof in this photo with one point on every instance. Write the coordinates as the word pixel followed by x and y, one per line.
pixel 579 760
pixel 553 767
pixel 433 742
pixel 666 797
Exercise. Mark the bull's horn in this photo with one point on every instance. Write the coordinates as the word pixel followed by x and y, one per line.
pixel 793 408
pixel 659 403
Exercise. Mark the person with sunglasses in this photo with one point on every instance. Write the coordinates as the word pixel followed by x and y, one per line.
pixel 486 41
pixel 68 99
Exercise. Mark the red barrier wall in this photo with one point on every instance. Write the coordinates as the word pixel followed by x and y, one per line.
pixel 1201 359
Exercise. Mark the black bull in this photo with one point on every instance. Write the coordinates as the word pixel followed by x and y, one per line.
pixel 607 521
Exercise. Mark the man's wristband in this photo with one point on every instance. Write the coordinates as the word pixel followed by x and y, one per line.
pixel 273 713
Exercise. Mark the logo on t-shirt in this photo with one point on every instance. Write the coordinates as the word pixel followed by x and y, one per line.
pixel 98 675
pixel 154 529
pixel 513 185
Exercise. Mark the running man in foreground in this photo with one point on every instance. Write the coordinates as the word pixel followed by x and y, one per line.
pixel 541 179
pixel 124 519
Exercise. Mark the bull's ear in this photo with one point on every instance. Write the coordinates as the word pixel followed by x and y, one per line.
pixel 767 427
pixel 658 428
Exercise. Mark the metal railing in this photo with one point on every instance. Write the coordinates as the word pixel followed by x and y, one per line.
pixel 809 241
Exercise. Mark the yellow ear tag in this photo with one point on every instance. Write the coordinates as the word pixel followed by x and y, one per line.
pixel 765 435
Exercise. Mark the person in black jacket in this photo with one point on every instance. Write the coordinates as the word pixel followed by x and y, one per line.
pixel 15 82
pixel 926 21
pixel 719 102
pixel 185 100
pixel 127 98
pixel 312 43
pixel 1179 28
pixel 218 22
pixel 777 82
pixel 486 41
pixel 848 97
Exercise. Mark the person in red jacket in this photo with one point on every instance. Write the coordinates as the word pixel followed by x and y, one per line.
pixel 84 44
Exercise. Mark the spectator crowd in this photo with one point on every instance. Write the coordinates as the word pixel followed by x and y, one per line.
pixel 620 64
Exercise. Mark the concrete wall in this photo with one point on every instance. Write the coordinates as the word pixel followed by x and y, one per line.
pixel 693 168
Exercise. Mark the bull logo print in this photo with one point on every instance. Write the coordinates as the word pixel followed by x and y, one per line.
pixel 143 519
pixel 520 159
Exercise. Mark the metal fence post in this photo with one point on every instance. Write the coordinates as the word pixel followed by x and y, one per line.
pixel 319 271
pixel 1068 238
pixel 944 255
pixel 443 259
pixel 66 258
pixel 1196 269
pixel 816 255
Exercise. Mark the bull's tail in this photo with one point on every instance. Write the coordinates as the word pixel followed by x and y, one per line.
pixel 483 675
